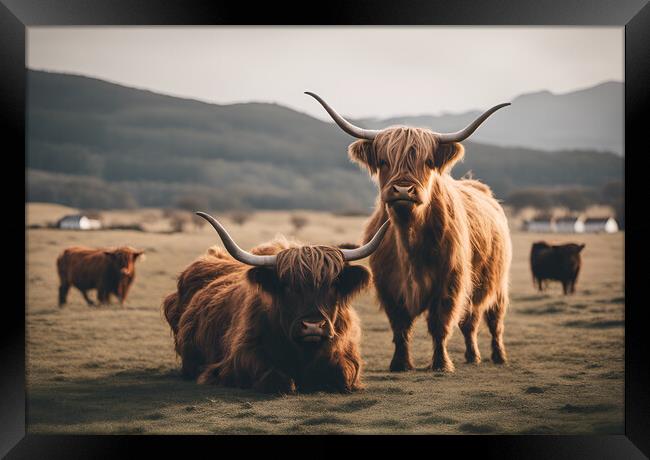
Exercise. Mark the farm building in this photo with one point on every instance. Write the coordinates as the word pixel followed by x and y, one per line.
pixel 540 225
pixel 570 225
pixel 78 222
pixel 601 224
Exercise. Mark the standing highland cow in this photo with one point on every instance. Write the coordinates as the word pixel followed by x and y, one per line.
pixel 277 320
pixel 559 262
pixel 110 271
pixel 447 251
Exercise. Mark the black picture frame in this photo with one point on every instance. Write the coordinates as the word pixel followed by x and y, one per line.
pixel 634 15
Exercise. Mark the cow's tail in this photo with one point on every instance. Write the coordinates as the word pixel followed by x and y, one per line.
pixel 172 311
pixel 61 266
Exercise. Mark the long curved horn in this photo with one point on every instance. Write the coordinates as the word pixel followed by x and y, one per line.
pixel 459 136
pixel 364 251
pixel 234 250
pixel 344 124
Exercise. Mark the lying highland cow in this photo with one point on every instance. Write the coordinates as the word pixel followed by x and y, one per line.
pixel 276 320
pixel 556 262
pixel 109 271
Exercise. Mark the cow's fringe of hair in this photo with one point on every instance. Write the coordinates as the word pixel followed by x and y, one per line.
pixel 313 265
pixel 299 265
pixel 407 148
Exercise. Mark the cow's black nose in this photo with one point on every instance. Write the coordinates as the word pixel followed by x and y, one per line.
pixel 404 189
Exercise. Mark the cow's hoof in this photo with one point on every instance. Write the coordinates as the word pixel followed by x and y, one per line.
pixel 400 366
pixel 499 359
pixel 447 367
pixel 277 383
pixel 473 359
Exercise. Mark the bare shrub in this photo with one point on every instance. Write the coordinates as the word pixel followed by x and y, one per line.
pixel 199 222
pixel 191 203
pixel 241 217
pixel 298 221
pixel 149 217
pixel 178 221
pixel 351 213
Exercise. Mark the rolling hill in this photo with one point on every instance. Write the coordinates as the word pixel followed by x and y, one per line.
pixel 91 143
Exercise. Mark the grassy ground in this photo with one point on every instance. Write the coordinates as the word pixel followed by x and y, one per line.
pixel 113 370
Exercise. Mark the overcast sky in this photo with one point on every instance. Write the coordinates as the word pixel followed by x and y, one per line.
pixel 361 71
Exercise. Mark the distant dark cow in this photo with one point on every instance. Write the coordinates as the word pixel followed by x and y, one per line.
pixel 109 271
pixel 556 262
pixel 277 320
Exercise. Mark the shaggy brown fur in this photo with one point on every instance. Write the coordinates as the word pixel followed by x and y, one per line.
pixel 244 326
pixel 110 271
pixel 448 249
pixel 560 262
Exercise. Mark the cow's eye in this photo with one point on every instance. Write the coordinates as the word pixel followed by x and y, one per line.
pixel 429 163
pixel 383 163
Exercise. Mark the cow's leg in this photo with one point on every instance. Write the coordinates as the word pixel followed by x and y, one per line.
pixel 565 287
pixel 63 293
pixel 192 361
pixel 401 323
pixel 269 380
pixel 540 286
pixel 349 374
pixel 494 317
pixel 103 295
pixel 469 326
pixel 343 372
pixel 274 381
pixel 440 327
pixel 122 291
pixel 87 299
pixel 574 280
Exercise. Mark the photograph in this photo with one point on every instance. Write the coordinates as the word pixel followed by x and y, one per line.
pixel 297 230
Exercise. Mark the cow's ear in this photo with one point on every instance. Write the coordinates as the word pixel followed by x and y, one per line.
pixel 363 153
pixel 581 247
pixel 137 254
pixel 352 280
pixel 265 278
pixel 446 155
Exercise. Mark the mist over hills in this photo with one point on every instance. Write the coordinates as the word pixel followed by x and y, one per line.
pixel 589 119
pixel 95 144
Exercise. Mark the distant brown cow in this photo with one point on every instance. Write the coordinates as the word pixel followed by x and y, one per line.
pixel 556 262
pixel 109 271
pixel 277 320
pixel 447 252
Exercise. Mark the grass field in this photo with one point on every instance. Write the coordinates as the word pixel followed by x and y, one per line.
pixel 114 370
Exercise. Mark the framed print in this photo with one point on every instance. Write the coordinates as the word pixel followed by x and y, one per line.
pixel 412 222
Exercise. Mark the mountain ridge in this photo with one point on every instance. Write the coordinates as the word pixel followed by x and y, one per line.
pixel 144 148
pixel 588 118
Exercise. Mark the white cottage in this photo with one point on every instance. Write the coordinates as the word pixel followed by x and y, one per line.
pixel 601 225
pixel 570 225
pixel 540 225
pixel 78 222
